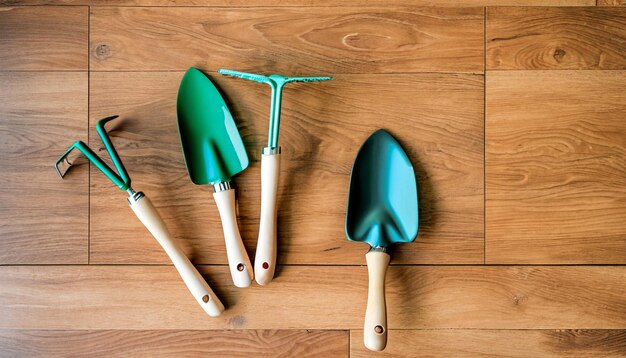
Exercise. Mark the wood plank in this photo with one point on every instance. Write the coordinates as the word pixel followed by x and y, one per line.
pixel 307 3
pixel 438 118
pixel 496 343
pixel 43 38
pixel 315 297
pixel 288 40
pixel 611 2
pixel 555 167
pixel 44 219
pixel 184 343
pixel 556 38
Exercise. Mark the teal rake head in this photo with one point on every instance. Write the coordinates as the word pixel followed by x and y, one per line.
pixel 122 180
pixel 277 82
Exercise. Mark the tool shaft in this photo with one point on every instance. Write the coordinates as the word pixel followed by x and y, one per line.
pixel 272 138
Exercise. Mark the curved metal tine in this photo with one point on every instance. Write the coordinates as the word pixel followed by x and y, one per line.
pixel 307 79
pixel 245 75
pixel 92 157
pixel 121 180
pixel 115 158
pixel 63 158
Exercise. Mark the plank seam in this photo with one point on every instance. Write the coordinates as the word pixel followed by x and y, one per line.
pixel 485 136
pixel 321 265
pixel 334 73
pixel 88 113
pixel 366 7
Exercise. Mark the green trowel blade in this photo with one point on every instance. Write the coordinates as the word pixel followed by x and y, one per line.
pixel 382 201
pixel 212 146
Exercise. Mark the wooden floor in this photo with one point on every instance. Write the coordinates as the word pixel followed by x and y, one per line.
pixel 512 111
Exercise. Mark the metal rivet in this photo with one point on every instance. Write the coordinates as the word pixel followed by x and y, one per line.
pixel 240 267
pixel 266 265
pixel 205 298
pixel 379 329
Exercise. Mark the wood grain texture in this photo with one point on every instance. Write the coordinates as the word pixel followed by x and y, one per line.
pixel 315 297
pixel 318 41
pixel 305 3
pixel 496 343
pixel 234 343
pixel 438 119
pixel 43 38
pixel 43 219
pixel 555 38
pixel 555 167
pixel 611 2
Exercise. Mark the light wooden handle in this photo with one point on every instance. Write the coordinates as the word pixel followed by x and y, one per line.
pixel 265 259
pixel 375 328
pixel 148 215
pixel 238 260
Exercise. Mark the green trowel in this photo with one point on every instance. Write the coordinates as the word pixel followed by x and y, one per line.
pixel 214 153
pixel 265 259
pixel 382 210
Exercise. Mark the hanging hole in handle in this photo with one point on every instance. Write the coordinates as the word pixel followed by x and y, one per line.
pixel 240 267
pixel 266 265
pixel 205 298
pixel 379 329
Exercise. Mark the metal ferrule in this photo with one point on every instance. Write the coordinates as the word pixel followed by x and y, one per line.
pixel 378 249
pixel 270 150
pixel 223 186
pixel 134 196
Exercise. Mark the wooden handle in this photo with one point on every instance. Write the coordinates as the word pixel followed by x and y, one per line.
pixel 238 260
pixel 375 328
pixel 265 259
pixel 148 215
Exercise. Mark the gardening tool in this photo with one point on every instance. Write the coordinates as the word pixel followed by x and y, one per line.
pixel 265 259
pixel 382 210
pixel 214 153
pixel 148 215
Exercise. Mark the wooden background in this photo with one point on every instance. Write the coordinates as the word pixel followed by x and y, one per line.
pixel 514 117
